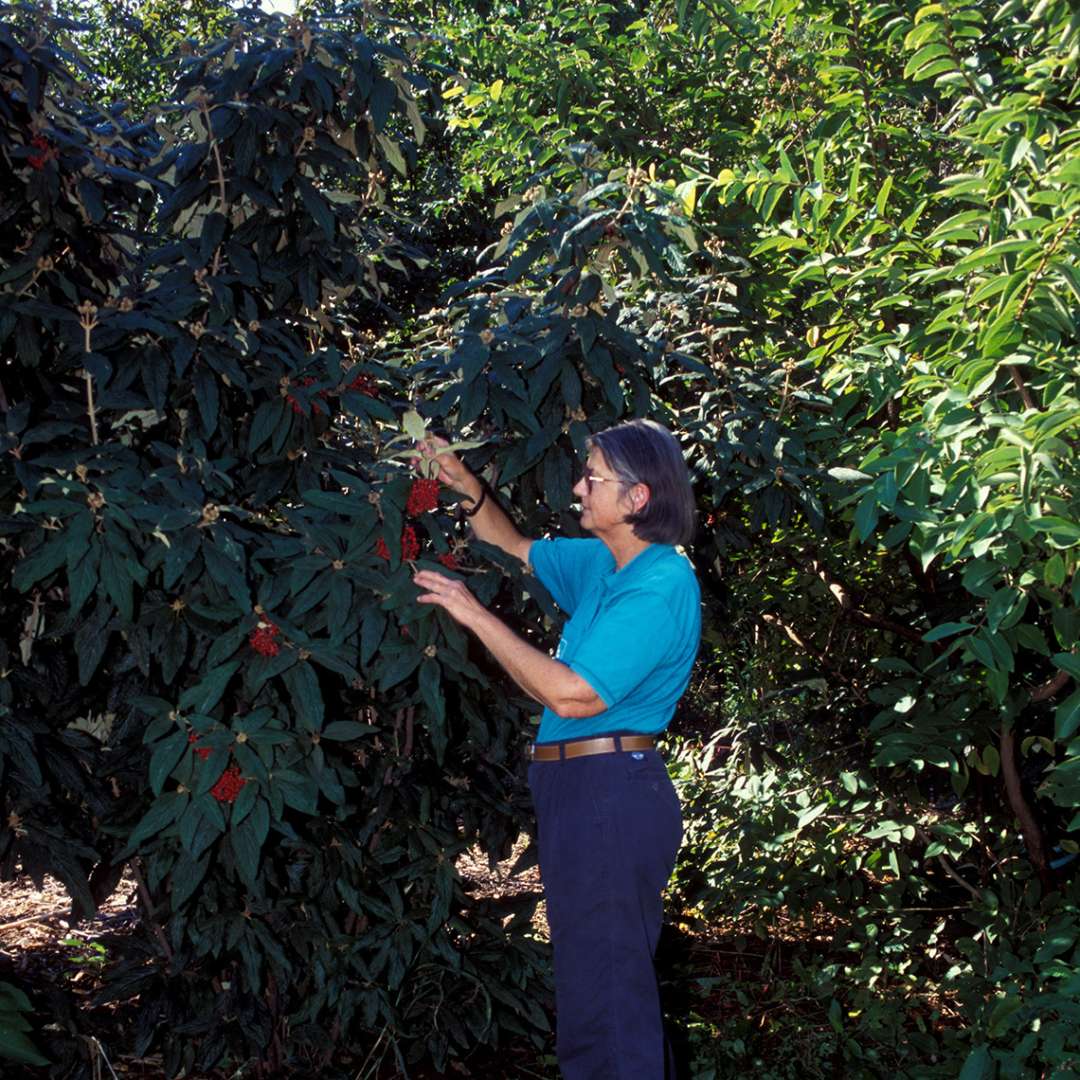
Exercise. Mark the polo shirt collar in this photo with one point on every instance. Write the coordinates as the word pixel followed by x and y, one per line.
pixel 624 578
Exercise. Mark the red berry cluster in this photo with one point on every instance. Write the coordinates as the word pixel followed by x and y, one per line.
pixel 316 406
pixel 37 161
pixel 410 546
pixel 203 751
pixel 262 639
pixel 229 785
pixel 423 497
pixel 364 384
pixel 449 560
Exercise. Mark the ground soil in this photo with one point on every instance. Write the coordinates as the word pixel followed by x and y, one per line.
pixel 41 945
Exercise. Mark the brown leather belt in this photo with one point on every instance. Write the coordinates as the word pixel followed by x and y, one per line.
pixel 603 744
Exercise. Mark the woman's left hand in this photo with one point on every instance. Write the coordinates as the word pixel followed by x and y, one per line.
pixel 452 596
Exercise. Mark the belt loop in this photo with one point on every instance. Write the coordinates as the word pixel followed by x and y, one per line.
pixel 618 743
pixel 562 751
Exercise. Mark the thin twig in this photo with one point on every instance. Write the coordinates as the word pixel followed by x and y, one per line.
pixel 102 1056
pixel 88 320
pixel 1051 687
pixel 90 407
pixel 43 919
pixel 148 905
pixel 221 181
pixel 947 867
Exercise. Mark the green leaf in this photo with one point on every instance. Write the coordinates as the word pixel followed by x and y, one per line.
pixel 883 195
pixel 1054 571
pixel 207 397
pixel 811 814
pixel 164 810
pixel 187 875
pixel 1060 533
pixel 83 577
pixel 372 631
pixel 1067 716
pixel 836 1016
pixel 393 153
pixel 303 684
pixel 47 559
pixel 247 840
pixel 947 630
pixel 16 1046
pixel 982 650
pixel 299 792
pixel 205 694
pixel 866 516
pixel 117 580
pixel 849 476
pixel 1068 661
pixel 165 758
pixel 403 663
pixel 923 57
pixel 978 1066
pixel 267 417
pixel 413 425
pixel 317 206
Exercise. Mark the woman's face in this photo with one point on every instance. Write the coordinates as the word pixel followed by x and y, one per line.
pixel 605 499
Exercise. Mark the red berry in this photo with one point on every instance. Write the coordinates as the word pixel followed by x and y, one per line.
pixel 423 497
pixel 262 639
pixel 307 380
pixel 229 785
pixel 449 561
pixel 410 546
pixel 37 161
pixel 364 384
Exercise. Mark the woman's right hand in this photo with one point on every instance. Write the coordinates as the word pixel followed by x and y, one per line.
pixel 452 471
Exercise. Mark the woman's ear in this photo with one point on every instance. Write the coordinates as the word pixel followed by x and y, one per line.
pixel 639 497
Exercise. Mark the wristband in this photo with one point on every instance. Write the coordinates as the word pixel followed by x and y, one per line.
pixel 478 503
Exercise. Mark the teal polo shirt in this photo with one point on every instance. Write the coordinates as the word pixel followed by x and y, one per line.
pixel 632 634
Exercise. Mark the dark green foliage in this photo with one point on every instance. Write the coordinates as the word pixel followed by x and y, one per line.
pixel 218 674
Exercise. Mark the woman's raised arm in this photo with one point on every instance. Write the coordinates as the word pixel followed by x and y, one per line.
pixel 490 523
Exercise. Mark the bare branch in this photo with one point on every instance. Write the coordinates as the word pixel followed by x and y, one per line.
pixel 1051 687
pixel 1029 825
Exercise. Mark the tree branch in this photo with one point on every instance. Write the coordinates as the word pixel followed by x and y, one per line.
pixel 1018 382
pixel 792 634
pixel 1029 825
pixel 843 596
pixel 1051 687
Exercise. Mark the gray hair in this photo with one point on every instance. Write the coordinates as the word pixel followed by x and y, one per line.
pixel 645 452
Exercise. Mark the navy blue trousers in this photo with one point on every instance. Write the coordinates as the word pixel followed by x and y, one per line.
pixel 609 829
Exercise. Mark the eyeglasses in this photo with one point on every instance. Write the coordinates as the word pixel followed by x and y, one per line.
pixel 592 478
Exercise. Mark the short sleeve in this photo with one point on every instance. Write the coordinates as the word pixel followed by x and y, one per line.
pixel 567 568
pixel 627 642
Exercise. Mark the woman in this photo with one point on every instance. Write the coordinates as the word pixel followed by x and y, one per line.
pixel 608 816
